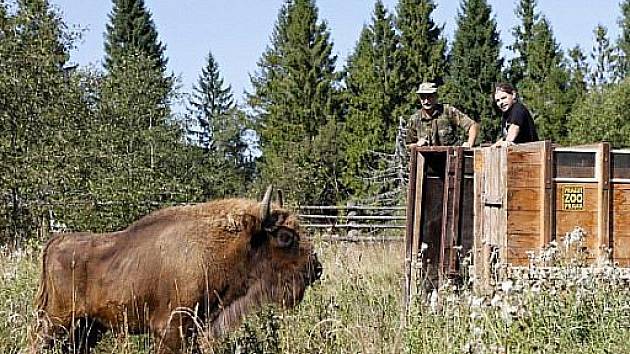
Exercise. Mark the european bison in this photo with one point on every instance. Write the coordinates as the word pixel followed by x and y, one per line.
pixel 170 271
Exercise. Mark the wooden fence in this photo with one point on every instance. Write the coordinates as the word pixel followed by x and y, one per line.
pixel 354 223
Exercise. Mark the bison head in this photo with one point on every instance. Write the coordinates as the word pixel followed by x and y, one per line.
pixel 282 264
pixel 282 234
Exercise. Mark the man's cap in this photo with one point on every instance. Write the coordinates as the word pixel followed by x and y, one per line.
pixel 427 87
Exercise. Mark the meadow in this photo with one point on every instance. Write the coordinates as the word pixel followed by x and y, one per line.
pixel 355 308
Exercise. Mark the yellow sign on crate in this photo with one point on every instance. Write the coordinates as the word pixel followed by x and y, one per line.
pixel 573 198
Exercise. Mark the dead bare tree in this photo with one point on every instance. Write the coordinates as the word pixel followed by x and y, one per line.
pixel 389 172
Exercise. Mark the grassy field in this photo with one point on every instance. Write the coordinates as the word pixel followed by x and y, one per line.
pixel 356 309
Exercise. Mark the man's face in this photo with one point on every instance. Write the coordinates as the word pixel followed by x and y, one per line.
pixel 428 100
pixel 504 100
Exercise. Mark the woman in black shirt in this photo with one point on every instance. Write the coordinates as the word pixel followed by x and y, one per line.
pixel 517 125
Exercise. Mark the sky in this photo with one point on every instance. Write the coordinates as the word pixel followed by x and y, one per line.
pixel 238 31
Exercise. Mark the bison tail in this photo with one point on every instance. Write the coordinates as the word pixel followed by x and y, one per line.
pixel 41 298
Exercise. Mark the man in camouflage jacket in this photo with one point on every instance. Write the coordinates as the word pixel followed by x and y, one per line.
pixel 436 124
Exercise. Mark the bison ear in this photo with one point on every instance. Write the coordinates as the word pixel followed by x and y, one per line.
pixel 280 199
pixel 265 205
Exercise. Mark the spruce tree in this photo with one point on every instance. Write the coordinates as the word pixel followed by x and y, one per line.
pixel 373 91
pixel 623 42
pixel 135 123
pixel 475 65
pixel 219 128
pixel 578 71
pixel 131 27
pixel 544 85
pixel 131 38
pixel 293 99
pixel 603 57
pixel 540 73
pixel 523 35
pixel 423 48
pixel 210 100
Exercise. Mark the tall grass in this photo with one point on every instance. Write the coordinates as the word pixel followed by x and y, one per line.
pixel 355 308
pixel 18 283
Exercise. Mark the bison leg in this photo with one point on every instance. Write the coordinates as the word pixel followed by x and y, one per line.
pixel 39 337
pixel 84 336
pixel 168 341
pixel 177 337
pixel 45 332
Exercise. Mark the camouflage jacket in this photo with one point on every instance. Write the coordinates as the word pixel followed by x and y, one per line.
pixel 439 128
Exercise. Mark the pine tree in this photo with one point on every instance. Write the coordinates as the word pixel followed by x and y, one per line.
pixel 131 27
pixel 475 65
pixel 373 92
pixel 604 58
pixel 293 99
pixel 423 48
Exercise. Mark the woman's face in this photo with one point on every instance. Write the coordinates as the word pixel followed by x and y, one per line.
pixel 504 100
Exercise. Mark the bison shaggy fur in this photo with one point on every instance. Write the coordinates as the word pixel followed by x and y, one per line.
pixel 170 271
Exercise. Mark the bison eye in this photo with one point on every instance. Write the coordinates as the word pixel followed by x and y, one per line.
pixel 285 238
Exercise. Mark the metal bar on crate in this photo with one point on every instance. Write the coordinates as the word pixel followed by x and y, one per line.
pixel 575 180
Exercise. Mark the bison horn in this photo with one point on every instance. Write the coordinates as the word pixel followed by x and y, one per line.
pixel 280 199
pixel 265 205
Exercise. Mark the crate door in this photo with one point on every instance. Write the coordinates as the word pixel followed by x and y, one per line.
pixel 493 202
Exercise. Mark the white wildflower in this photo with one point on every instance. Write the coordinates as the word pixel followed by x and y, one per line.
pixel 506 286
pixel 496 301
pixel 434 301
pixel 476 302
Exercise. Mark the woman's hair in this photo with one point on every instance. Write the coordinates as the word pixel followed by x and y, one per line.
pixel 505 87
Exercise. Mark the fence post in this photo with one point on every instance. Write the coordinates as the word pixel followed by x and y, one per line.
pixel 352 231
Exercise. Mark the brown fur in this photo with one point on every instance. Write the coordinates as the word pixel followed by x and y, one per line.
pixel 169 271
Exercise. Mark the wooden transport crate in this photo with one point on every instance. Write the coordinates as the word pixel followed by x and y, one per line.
pixel 503 203
pixel 528 195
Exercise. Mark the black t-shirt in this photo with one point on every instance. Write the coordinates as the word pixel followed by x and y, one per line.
pixel 519 115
